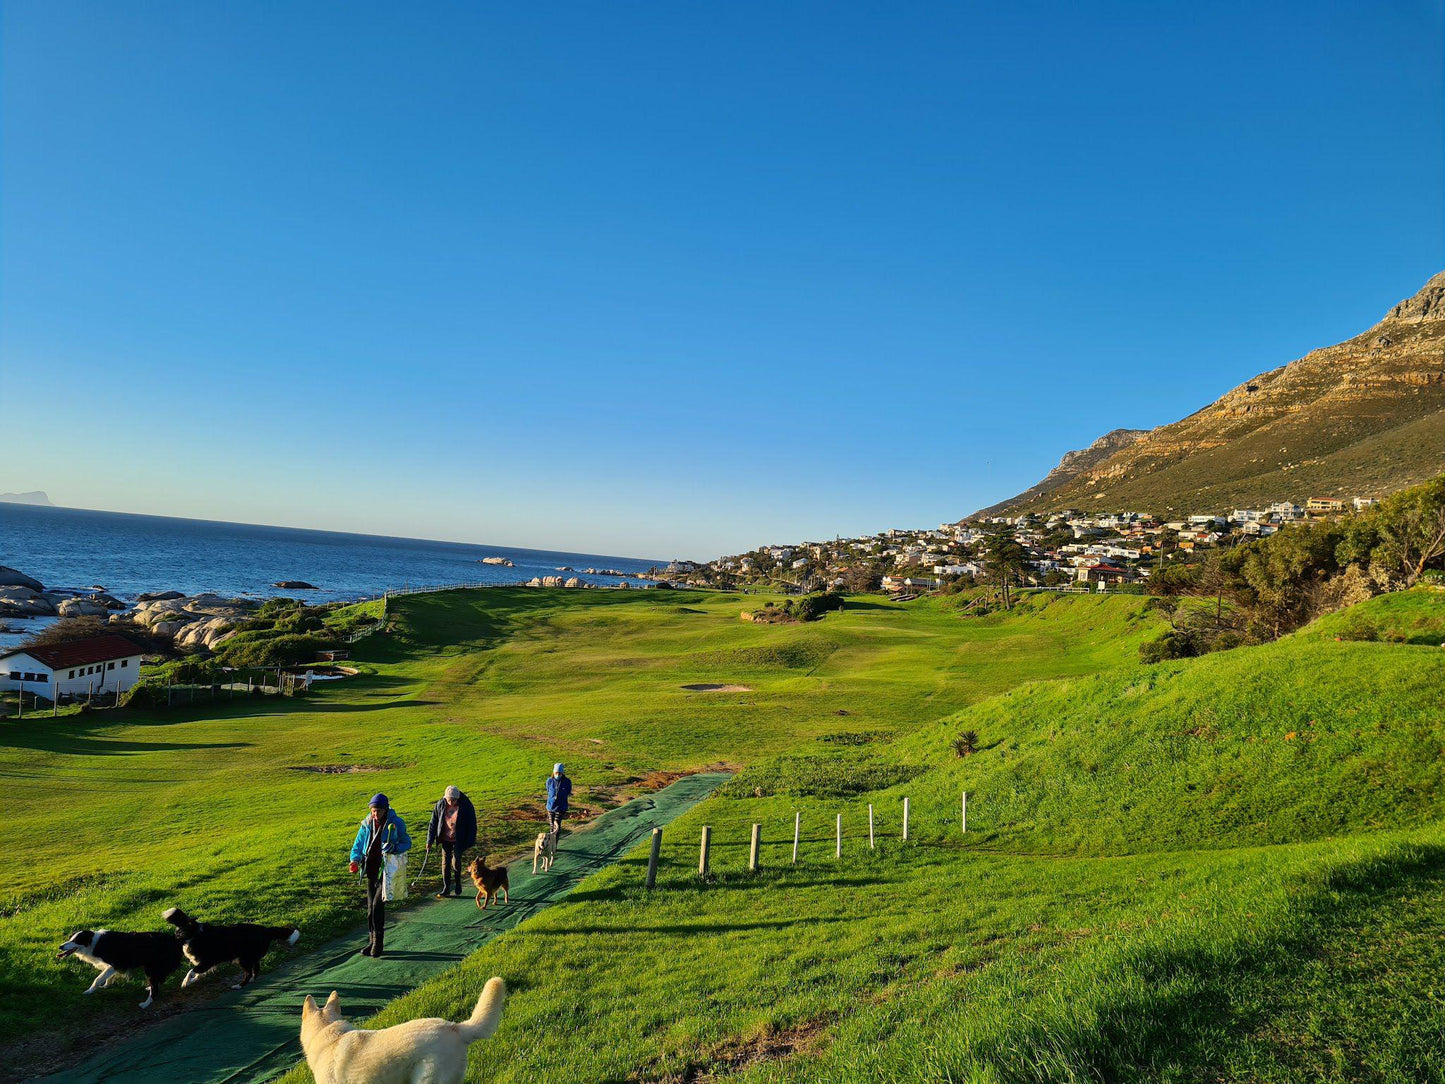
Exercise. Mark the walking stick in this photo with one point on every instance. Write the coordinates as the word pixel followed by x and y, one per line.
pixel 422 872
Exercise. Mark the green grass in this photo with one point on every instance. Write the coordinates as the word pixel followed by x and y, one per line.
pixel 1416 616
pixel 1229 868
pixel 117 816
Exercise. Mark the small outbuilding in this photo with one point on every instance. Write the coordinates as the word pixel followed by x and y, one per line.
pixel 99 664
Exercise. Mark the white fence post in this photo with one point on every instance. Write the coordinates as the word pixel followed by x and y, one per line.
pixel 905 818
pixel 753 849
pixel 840 836
pixel 652 858
pixel 870 826
pixel 702 855
pixel 963 813
pixel 797 824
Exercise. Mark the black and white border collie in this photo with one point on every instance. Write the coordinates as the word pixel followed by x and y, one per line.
pixel 111 953
pixel 207 945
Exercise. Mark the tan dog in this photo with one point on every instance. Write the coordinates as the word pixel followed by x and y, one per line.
pixel 544 850
pixel 429 1051
pixel 491 882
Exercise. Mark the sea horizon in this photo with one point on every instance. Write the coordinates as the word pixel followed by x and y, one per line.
pixel 129 553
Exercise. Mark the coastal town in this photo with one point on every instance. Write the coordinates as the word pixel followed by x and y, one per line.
pixel 1068 549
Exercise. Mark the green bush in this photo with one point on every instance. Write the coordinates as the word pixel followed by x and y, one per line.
pixel 1174 644
pixel 270 649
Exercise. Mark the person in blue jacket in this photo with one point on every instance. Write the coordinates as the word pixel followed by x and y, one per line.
pixel 381 833
pixel 559 789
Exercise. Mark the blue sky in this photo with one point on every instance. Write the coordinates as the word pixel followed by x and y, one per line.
pixel 675 279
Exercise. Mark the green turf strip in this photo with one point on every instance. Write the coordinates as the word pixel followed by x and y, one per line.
pixel 252 1035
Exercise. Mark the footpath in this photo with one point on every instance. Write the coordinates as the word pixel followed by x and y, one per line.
pixel 250 1036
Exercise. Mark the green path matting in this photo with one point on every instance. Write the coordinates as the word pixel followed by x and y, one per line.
pixel 251 1035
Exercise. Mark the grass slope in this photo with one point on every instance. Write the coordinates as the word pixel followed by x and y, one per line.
pixel 1229 868
pixel 220 809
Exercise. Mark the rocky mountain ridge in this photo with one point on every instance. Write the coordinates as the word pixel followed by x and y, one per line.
pixel 1361 418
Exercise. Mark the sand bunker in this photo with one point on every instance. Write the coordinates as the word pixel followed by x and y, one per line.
pixel 710 688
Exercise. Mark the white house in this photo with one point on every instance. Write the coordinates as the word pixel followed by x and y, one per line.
pixel 102 664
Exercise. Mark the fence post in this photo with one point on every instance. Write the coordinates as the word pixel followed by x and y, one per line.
pixel 652 858
pixel 905 818
pixel 797 824
pixel 839 853
pixel 963 813
pixel 753 849
pixel 870 826
pixel 702 854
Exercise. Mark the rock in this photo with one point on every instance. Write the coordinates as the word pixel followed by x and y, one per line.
pixel 26 602
pixel 82 607
pixel 296 585
pixel 10 577
pixel 573 581
pixel 159 596
pixel 506 562
pixel 207 633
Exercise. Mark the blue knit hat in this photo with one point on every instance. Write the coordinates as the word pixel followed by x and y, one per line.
pixel 379 801
pixel 557 767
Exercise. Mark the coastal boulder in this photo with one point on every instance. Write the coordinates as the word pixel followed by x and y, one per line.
pixel 21 601
pixel 10 577
pixel 159 596
pixel 296 585
pixel 206 633
pixel 82 607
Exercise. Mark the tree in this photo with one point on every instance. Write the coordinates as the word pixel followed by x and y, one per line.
pixel 1005 561
pixel 1412 530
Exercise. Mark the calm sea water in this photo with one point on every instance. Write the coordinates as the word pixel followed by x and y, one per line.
pixel 128 554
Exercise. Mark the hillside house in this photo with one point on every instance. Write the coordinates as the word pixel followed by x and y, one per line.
pixel 1324 505
pixel 98 664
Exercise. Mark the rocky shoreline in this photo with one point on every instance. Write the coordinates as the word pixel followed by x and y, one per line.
pixel 190 621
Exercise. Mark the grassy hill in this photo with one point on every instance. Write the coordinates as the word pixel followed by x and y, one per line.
pixel 1229 868
pixel 118 816
pixel 1363 418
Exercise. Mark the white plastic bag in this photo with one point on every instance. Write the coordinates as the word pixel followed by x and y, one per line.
pixel 393 877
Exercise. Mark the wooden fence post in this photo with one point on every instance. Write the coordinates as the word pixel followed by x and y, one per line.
pixel 652 858
pixel 870 826
pixel 905 818
pixel 703 853
pixel 753 850
pixel 839 853
pixel 797 824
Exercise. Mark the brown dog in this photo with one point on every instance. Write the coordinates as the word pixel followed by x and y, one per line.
pixel 490 882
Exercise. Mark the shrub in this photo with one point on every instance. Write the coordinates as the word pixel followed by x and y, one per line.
pixel 1174 644
pixel 1360 628
pixel 966 744
pixel 269 649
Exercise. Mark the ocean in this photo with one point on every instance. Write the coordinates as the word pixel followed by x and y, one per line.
pixel 130 554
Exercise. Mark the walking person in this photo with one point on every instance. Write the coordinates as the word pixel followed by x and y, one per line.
pixel 382 833
pixel 453 826
pixel 559 789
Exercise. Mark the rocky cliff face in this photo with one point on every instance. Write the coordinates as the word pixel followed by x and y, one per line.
pixel 1072 465
pixel 1361 418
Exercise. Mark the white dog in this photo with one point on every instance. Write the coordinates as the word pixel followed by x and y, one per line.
pixel 430 1051
pixel 544 850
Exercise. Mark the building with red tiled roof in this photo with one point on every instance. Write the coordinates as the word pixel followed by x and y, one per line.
pixel 98 664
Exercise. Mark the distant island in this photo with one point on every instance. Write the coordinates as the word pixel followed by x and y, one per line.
pixel 35 496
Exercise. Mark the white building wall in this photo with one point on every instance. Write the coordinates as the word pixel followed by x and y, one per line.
pixel 117 675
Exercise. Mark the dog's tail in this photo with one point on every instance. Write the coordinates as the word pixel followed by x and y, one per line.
pixel 289 934
pixel 488 1013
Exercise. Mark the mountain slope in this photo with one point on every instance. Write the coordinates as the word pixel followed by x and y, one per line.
pixel 1362 418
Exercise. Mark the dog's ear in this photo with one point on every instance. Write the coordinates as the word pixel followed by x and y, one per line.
pixel 333 1005
pixel 308 1006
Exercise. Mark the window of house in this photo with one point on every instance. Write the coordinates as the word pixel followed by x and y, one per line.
pixel 124 663
pixel 110 666
pixel 42 678
pixel 14 675
pixel 71 674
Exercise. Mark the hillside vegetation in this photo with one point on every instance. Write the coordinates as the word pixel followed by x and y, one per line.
pixel 1229 868
pixel 124 814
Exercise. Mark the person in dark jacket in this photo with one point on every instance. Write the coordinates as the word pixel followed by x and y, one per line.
pixel 454 827
pixel 380 834
pixel 559 789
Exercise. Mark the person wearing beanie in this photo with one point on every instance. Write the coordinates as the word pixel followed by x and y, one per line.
pixel 559 789
pixel 454 826
pixel 381 833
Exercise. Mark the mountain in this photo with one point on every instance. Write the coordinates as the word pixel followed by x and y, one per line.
pixel 1362 418
pixel 35 496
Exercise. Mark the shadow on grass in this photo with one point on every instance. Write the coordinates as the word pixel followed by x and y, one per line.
pixel 687 927
pixel 1302 1004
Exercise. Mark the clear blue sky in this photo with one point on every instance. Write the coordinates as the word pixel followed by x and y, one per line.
pixel 675 278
